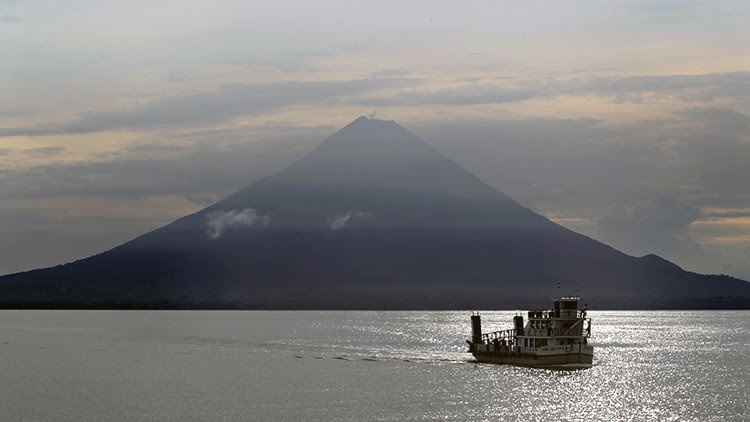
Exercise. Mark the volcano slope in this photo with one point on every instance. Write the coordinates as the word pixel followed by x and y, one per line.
pixel 373 218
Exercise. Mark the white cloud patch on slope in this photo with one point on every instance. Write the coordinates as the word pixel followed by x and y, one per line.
pixel 217 222
pixel 340 220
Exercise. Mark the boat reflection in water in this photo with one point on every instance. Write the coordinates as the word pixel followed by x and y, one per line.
pixel 555 339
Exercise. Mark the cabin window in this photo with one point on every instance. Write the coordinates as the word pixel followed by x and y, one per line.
pixel 570 305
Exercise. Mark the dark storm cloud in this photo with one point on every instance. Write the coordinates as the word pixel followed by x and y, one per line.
pixel 659 226
pixel 226 102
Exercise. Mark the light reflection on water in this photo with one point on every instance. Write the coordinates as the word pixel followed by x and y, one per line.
pixel 69 365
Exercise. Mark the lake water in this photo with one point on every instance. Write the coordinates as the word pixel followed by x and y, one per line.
pixel 342 366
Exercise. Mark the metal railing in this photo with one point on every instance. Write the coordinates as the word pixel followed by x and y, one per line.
pixel 509 334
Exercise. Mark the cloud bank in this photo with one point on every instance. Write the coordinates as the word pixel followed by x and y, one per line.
pixel 233 100
pixel 638 89
pixel 226 102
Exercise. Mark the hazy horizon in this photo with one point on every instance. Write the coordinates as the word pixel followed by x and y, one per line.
pixel 626 122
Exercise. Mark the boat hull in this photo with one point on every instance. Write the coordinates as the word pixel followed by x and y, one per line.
pixel 575 357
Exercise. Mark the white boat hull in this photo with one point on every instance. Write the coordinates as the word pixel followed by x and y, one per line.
pixel 575 356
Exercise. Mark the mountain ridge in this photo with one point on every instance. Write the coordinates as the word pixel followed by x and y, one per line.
pixel 373 218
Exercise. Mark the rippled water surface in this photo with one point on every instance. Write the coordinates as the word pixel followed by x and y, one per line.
pixel 173 365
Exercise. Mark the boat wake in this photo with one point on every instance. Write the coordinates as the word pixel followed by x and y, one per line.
pixel 457 360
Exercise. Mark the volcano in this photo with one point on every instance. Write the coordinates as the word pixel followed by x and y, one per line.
pixel 373 218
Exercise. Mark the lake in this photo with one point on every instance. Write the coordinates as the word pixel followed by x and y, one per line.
pixel 349 365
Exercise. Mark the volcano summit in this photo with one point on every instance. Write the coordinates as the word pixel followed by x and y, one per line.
pixel 373 217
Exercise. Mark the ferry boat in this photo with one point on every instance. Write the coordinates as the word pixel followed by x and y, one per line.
pixel 555 339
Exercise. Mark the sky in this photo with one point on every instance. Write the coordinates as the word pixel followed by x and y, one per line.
pixel 627 121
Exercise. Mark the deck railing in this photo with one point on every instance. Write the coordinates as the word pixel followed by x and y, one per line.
pixel 581 328
pixel 508 335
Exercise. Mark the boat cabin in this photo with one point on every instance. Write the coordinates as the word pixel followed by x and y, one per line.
pixel 563 325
